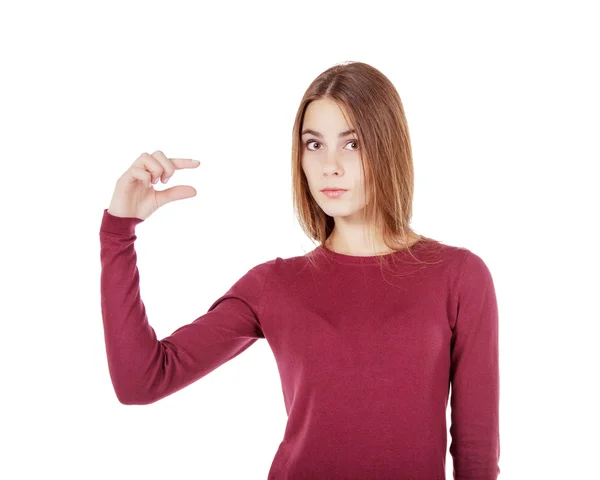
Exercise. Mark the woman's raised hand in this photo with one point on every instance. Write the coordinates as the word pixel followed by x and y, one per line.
pixel 134 195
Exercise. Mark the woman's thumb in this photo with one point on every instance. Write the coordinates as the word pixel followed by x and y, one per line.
pixel 178 192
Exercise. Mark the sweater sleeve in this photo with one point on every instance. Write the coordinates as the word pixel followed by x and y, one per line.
pixel 144 369
pixel 474 375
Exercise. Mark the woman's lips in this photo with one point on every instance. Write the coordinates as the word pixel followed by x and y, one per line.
pixel 334 193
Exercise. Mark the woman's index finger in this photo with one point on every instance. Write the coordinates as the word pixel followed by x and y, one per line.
pixel 184 162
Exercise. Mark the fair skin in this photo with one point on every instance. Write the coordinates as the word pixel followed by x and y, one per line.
pixel 329 160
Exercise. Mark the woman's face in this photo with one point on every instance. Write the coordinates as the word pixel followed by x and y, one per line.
pixel 331 160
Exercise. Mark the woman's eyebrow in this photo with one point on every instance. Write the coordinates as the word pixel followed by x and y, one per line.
pixel 317 134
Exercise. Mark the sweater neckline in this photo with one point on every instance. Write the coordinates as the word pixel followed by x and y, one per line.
pixel 366 259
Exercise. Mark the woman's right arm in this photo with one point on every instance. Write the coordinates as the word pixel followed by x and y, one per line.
pixel 142 368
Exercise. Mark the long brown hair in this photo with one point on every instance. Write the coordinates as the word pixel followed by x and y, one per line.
pixel 376 113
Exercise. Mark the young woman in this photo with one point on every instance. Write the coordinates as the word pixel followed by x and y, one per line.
pixel 369 330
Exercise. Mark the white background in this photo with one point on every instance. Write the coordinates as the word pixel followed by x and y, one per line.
pixel 503 108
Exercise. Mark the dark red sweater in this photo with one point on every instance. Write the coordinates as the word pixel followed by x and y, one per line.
pixel 366 356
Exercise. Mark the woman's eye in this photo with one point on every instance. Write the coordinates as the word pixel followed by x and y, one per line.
pixel 309 142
